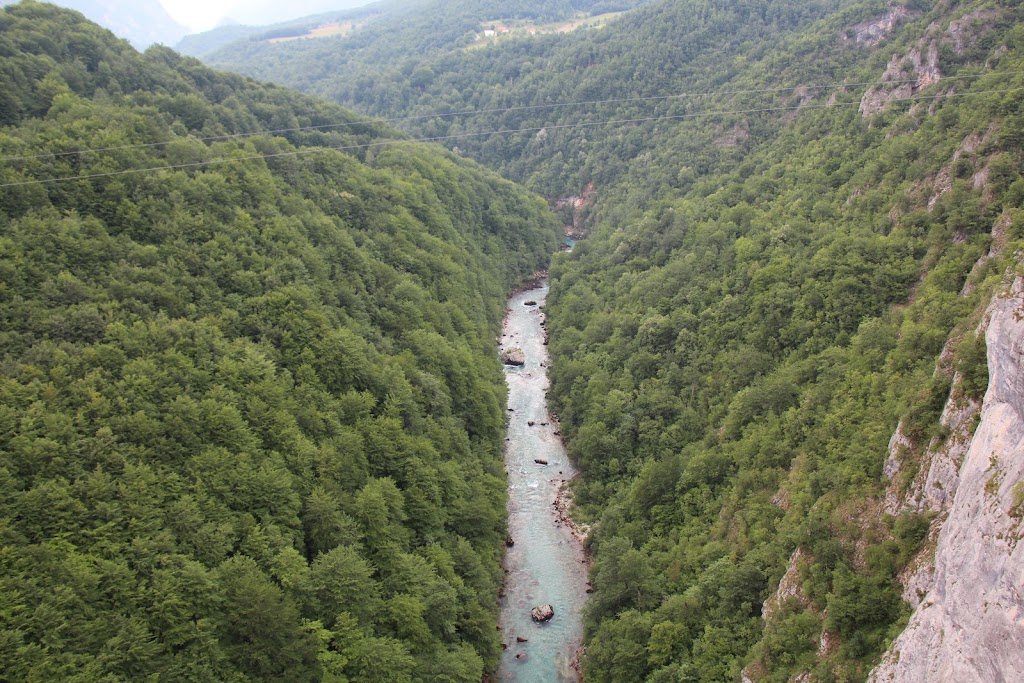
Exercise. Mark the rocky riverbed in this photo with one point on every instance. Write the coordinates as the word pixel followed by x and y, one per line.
pixel 545 564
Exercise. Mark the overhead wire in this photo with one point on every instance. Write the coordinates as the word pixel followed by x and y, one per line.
pixel 456 136
pixel 476 112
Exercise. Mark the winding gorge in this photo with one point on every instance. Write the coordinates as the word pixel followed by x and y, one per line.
pixel 275 408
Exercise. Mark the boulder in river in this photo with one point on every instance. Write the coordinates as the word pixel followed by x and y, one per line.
pixel 520 639
pixel 540 461
pixel 530 303
pixel 542 613
pixel 514 356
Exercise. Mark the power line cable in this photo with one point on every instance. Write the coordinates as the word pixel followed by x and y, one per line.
pixel 472 112
pixel 442 138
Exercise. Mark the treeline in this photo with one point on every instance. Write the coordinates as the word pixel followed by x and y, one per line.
pixel 251 414
pixel 770 281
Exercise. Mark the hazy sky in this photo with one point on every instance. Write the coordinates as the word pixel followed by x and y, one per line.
pixel 199 15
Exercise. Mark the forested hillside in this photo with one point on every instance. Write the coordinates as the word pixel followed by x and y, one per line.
pixel 735 348
pixel 251 412
pixel 764 297
pixel 560 89
pixel 143 22
pixel 397 49
pixel 792 242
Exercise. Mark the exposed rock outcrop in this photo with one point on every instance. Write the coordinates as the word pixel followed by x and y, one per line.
pixel 874 31
pixel 919 67
pixel 579 204
pixel 789 590
pixel 970 624
pixel 965 31
pixel 903 77
pixel 790 586
pixel 973 141
pixel 733 136
pixel 936 482
pixel 562 506
pixel 942 182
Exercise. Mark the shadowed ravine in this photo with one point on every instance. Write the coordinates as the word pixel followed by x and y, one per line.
pixel 546 563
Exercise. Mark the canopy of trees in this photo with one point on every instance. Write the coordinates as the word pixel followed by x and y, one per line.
pixel 737 341
pixel 770 280
pixel 391 62
pixel 251 412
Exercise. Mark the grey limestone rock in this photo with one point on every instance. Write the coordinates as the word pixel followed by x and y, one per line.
pixel 969 626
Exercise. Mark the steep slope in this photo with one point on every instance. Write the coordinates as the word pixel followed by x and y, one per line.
pixel 791 206
pixel 733 353
pixel 967 627
pixel 776 265
pixel 251 414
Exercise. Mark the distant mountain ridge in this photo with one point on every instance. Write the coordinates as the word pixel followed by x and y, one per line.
pixel 142 22
pixel 208 42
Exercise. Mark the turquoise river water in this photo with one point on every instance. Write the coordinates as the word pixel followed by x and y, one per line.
pixel 546 564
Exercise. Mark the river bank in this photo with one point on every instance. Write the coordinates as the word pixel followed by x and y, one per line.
pixel 546 562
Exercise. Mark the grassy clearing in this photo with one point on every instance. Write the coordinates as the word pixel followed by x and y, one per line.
pixel 329 30
pixel 521 28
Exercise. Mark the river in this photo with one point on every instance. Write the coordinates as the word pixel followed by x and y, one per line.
pixel 546 564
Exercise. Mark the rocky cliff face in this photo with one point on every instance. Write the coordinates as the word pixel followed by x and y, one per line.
pixel 918 69
pixel 969 626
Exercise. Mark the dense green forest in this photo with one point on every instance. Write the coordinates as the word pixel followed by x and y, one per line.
pixel 781 253
pixel 396 51
pixel 251 412
pixel 751 318
pixel 524 81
